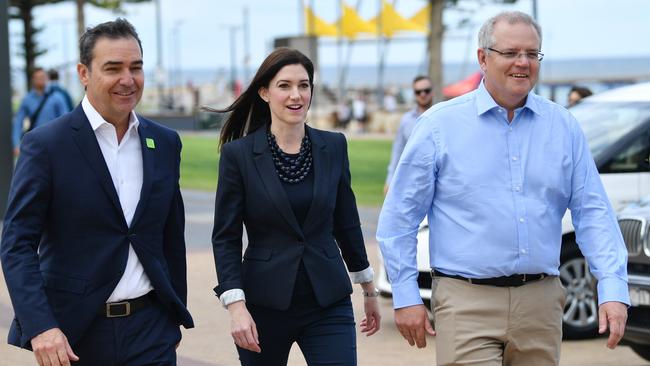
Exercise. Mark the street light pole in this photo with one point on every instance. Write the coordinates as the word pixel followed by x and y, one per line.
pixel 6 151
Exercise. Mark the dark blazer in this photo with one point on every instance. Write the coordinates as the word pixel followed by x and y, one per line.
pixel 65 240
pixel 250 192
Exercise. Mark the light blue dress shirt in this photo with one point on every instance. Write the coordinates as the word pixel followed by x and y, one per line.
pixel 406 125
pixel 495 194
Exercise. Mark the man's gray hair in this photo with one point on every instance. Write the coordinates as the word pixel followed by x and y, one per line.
pixel 486 34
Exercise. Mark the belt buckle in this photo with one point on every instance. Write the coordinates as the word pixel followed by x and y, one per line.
pixel 111 306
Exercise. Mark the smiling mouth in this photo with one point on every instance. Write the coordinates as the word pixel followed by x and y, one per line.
pixel 520 76
pixel 294 107
pixel 125 94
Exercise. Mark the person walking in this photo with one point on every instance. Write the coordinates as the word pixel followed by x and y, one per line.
pixel 495 170
pixel 289 185
pixel 37 108
pixel 93 248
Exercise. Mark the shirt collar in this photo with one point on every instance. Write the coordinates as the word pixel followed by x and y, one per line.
pixel 96 120
pixel 485 102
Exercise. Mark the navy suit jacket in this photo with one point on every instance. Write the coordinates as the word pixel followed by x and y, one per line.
pixel 65 239
pixel 250 192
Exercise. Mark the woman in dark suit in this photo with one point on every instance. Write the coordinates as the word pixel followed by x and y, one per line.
pixel 289 184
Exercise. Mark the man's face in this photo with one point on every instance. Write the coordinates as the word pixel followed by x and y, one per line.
pixel 423 95
pixel 114 80
pixel 509 80
pixel 39 80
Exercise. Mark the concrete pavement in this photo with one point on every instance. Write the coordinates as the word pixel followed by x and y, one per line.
pixel 210 344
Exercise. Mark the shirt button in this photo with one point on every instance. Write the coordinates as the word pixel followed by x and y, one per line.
pixel 509 129
pixel 514 158
pixel 523 251
pixel 517 189
pixel 521 219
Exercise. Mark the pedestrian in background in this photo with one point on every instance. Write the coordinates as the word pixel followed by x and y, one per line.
pixel 495 170
pixel 54 87
pixel 576 94
pixel 38 107
pixel 289 184
pixel 422 90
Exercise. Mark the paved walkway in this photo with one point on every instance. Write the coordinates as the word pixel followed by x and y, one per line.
pixel 210 344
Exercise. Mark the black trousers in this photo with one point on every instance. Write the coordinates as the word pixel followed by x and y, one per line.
pixel 146 337
pixel 326 336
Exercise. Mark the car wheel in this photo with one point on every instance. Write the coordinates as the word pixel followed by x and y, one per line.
pixel 641 350
pixel 580 319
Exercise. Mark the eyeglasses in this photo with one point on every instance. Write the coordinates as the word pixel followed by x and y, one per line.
pixel 422 91
pixel 511 55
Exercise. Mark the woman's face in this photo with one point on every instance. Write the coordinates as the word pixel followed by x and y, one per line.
pixel 288 95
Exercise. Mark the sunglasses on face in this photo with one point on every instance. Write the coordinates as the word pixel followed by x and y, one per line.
pixel 422 91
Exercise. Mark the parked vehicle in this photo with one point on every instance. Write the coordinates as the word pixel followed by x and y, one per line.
pixel 635 226
pixel 616 124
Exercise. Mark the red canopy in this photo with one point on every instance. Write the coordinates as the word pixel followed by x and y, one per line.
pixel 463 86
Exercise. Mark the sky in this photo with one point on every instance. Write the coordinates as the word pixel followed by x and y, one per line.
pixel 196 32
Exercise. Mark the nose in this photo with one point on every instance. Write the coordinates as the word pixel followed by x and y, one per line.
pixel 295 93
pixel 522 59
pixel 127 78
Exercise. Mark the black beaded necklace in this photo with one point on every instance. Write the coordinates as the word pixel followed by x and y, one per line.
pixel 291 168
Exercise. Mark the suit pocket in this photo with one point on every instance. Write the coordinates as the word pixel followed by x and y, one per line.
pixel 63 283
pixel 258 254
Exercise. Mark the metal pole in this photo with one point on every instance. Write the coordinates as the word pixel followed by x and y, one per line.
pixel 247 45
pixel 233 58
pixel 159 57
pixel 534 4
pixel 6 151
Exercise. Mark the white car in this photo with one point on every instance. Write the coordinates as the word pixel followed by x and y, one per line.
pixel 617 126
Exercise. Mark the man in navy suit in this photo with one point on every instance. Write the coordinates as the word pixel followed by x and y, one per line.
pixel 93 250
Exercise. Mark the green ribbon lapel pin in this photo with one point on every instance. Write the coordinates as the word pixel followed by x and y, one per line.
pixel 150 143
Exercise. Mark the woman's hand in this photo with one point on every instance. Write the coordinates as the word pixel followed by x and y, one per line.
pixel 372 321
pixel 242 327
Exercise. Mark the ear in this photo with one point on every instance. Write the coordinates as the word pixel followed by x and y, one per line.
pixel 482 59
pixel 264 94
pixel 84 74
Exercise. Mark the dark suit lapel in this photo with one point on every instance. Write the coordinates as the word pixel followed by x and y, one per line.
pixel 270 179
pixel 148 161
pixel 84 137
pixel 321 169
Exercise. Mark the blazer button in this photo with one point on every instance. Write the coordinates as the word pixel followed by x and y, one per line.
pixel 301 242
pixel 132 237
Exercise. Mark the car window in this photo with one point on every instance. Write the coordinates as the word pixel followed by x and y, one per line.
pixel 604 123
pixel 631 159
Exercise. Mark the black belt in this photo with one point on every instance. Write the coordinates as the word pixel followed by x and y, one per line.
pixel 515 280
pixel 127 307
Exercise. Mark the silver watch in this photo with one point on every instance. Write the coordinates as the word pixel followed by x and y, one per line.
pixel 374 293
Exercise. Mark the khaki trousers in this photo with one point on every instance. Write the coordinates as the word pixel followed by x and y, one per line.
pixel 495 326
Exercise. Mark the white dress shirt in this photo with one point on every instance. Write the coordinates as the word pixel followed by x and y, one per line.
pixel 124 162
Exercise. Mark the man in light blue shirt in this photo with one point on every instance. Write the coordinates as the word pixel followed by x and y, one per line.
pixel 423 98
pixel 494 171
pixel 52 105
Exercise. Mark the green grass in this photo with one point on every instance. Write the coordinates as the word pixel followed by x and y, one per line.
pixel 368 161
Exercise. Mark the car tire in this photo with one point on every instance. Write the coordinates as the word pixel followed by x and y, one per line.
pixel 641 350
pixel 580 318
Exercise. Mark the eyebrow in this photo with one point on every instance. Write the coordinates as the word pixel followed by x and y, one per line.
pixel 117 63
pixel 288 81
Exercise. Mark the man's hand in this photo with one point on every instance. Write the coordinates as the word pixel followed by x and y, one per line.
pixel 243 328
pixel 612 315
pixel 413 323
pixel 51 348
